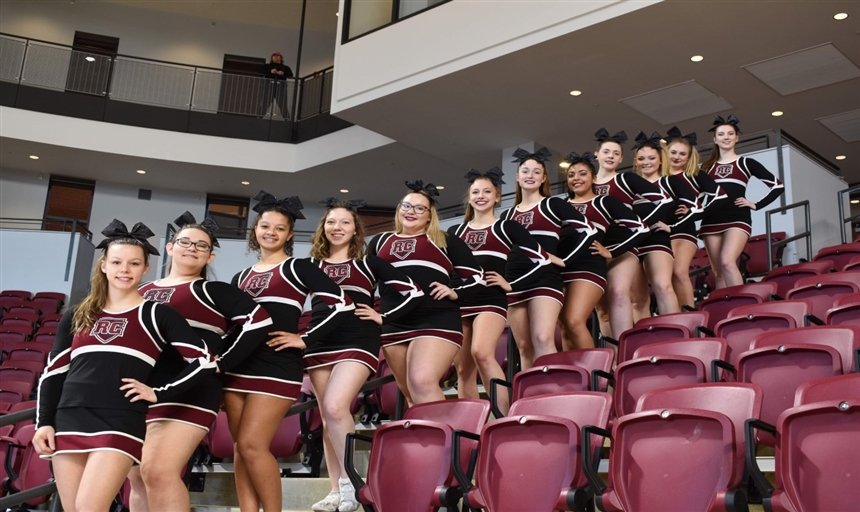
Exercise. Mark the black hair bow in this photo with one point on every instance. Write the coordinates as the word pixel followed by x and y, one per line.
pixel 574 158
pixel 602 135
pixel 116 230
pixel 674 133
pixel 494 175
pixel 352 204
pixel 208 223
pixel 428 190
pixel 719 121
pixel 541 155
pixel 652 142
pixel 292 205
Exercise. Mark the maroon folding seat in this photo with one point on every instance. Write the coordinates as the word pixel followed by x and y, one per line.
pixel 25 319
pixel 828 388
pixel 22 406
pixel 51 318
pixel 823 289
pixel 720 302
pixel 9 301
pixel 845 310
pixel 220 440
pixel 672 459
pixel 9 339
pixel 840 255
pixel 34 366
pixel 853 264
pixel 815 458
pixel 786 276
pixel 45 339
pixel 746 322
pixel 8 375
pixel 27 306
pixel 33 471
pixel 542 380
pixel 844 338
pixel 25 350
pixel 8 398
pixel 595 360
pixel 49 302
pixel 42 346
pixel 711 351
pixel 704 281
pixel 756 249
pixel 689 324
pixel 49 329
pixel 23 294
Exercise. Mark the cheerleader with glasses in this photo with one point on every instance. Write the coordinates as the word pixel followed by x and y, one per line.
pixel 726 229
pixel 213 308
pixel 91 413
pixel 619 231
pixel 420 348
pixel 341 362
pixel 616 308
pixel 491 241
pixel 693 192
pixel 260 390
pixel 533 312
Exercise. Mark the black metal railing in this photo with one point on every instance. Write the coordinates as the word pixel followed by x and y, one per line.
pixel 806 234
pixel 840 199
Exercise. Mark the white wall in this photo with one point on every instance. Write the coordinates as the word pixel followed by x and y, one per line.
pixel 455 36
pixel 164 36
pixel 22 196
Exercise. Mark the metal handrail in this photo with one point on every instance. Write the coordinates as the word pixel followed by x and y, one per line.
pixel 807 234
pixel 840 199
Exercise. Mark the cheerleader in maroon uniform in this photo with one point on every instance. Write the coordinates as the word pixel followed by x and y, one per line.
pixel 533 312
pixel 341 362
pixel 491 241
pixel 619 231
pixel 680 176
pixel 174 429
pixel 630 189
pixel 259 391
pixel 420 348
pixel 92 400
pixel 726 229
pixel 655 252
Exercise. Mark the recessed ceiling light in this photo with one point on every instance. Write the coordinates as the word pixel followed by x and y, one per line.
pixel 440 187
pixel 90 58
pixel 776 113
pixel 34 157
pixel 246 183
pixel 697 58
pixel 575 93
pixel 344 191
pixel 564 165
pixel 841 157
pixel 840 16
pixel 337 14
pixel 140 171
pixel 855 201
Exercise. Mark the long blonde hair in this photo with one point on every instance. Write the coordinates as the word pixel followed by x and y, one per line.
pixel 692 167
pixel 321 248
pixel 94 303
pixel 470 212
pixel 433 230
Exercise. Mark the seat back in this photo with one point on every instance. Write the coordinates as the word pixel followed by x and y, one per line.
pixel 756 248
pixel 21 294
pixel 548 379
pixel 588 358
pixel 8 375
pixel 746 322
pixel 656 460
pixel 845 310
pixel 636 377
pixel 821 290
pixel 785 277
pixel 840 255
pixel 26 353
pixel 720 302
pixel 703 349
pixel 17 386
pixel 34 471
pixel 220 440
pixel 660 328
pixel 853 264
pixel 385 396
pixel 816 461
pixel 829 388
pixel 47 305
pixel 36 366
pixel 844 338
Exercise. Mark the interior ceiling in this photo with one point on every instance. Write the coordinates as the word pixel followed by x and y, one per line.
pixel 465 119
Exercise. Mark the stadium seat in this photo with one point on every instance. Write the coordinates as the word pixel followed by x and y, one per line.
pixel 840 255
pixel 823 289
pixel 27 306
pixel 720 302
pixel 8 375
pixel 844 338
pixel 756 250
pixel 786 276
pixel 25 350
pixel 853 264
pixel 22 406
pixel 49 302
pixel 711 351
pixel 828 388
pixel 655 329
pixel 8 397
pixel 9 301
pixel 33 470
pixel 27 320
pixel 23 294
pixel 591 359
pixel 35 366
pixel 845 310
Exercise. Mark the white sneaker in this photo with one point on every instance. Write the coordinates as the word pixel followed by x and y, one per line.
pixel 327 504
pixel 348 503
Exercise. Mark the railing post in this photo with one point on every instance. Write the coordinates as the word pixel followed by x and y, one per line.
pixel 71 248
pixel 322 93
pixel 23 60
pixel 780 165
pixel 840 203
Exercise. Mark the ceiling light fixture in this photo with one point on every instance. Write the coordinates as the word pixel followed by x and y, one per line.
pixel 838 157
pixel 776 113
pixel 440 187
pixel 344 191
pixel 90 58
pixel 337 14
pixel 697 58
pixel 840 16
pixel 564 165
pixel 140 171
pixel 575 93
pixel 246 182
pixel 855 201
pixel 34 157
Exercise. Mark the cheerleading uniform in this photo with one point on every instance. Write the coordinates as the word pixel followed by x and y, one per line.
pixel 357 339
pixel 619 230
pixel 696 193
pixel 425 263
pixel 544 221
pixel 491 246
pixel 79 392
pixel 733 177
pixel 212 308
pixel 282 290
pixel 632 189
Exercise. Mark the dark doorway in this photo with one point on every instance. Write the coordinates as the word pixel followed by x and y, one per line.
pixel 90 63
pixel 69 199
pixel 242 85
pixel 231 214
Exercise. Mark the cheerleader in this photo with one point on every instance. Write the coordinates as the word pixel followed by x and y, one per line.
pixel 92 400
pixel 419 349
pixel 680 176
pixel 619 230
pixel 341 362
pixel 629 188
pixel 259 391
pixel 174 429
pixel 655 252
pixel 726 229
pixel 533 312
pixel 491 241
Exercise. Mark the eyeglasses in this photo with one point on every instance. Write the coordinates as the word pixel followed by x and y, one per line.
pixel 186 243
pixel 417 208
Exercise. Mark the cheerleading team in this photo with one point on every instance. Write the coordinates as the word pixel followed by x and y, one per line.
pixel 533 312
pixel 726 229
pixel 91 412
pixel 260 390
pixel 212 308
pixel 340 362
pixel 655 252
pixel 484 315
pixel 619 231
pixel 682 173
pixel 419 349
pixel 616 309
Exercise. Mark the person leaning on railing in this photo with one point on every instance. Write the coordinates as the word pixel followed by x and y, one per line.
pixel 275 71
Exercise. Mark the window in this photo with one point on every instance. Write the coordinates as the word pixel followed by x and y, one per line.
pixel 231 214
pixel 69 200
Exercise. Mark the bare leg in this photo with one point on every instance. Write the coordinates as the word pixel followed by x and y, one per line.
pixel 580 297
pixel 518 318
pixel 543 314
pixel 168 446
pixel 100 475
pixel 486 330
pixel 734 241
pixel 137 497
pixel 640 295
pixel 427 359
pixel 684 252
pixel 714 245
pixel 68 471
pixel 658 266
pixel 395 356
pixel 467 372
pixel 621 272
